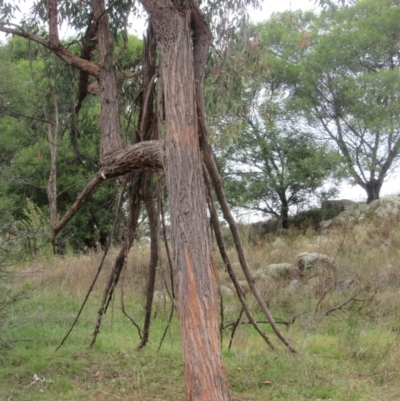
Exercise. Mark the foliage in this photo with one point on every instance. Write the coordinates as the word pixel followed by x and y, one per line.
pixel 31 79
pixel 272 173
pixel 342 70
pixel 270 161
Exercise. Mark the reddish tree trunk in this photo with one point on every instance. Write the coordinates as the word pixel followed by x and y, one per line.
pixel 194 270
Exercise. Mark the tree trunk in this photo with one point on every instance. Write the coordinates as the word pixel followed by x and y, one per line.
pixel 285 216
pixel 194 270
pixel 373 188
pixel 110 124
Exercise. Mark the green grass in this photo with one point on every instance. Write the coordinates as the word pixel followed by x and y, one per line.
pixel 353 354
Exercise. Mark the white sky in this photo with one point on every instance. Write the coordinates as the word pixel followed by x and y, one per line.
pixel 392 186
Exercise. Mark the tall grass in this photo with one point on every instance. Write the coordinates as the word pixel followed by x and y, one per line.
pixel 350 354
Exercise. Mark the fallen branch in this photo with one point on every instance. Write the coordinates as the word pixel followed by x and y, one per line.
pixel 352 298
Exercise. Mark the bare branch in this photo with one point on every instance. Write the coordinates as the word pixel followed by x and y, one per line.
pixel 58 50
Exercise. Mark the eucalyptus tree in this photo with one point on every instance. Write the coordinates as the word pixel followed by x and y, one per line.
pixel 270 161
pixel 171 135
pixel 278 173
pixel 343 71
pixel 38 88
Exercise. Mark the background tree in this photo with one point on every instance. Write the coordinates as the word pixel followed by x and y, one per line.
pixel 342 69
pixel 271 163
pixel 277 173
pixel 34 79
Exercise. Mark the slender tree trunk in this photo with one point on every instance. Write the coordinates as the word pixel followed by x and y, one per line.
pixel 110 124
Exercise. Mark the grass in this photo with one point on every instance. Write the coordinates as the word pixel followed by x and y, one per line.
pixel 352 354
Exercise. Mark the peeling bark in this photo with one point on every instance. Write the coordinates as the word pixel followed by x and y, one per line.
pixel 194 271
pixel 149 154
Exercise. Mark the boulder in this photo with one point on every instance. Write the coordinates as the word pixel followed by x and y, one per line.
pixel 294 285
pixel 313 263
pixel 387 208
pixel 259 275
pixel 346 283
pixel 282 271
pixel 332 207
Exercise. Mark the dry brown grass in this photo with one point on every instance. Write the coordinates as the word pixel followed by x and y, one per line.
pixel 353 354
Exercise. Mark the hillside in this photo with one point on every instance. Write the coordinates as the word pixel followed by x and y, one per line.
pixel 341 314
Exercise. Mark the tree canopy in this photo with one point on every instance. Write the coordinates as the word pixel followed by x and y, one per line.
pixel 342 70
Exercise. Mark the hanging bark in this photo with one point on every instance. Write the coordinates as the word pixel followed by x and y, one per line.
pixel 148 129
pixel 154 223
pixel 217 183
pixel 120 261
pixel 228 265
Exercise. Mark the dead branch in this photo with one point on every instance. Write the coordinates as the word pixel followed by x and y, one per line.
pixel 351 299
pixel 100 267
pixel 154 222
pixel 123 304
pixel 320 300
pixel 58 50
pixel 235 326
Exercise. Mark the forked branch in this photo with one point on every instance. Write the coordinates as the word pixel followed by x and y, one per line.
pixel 148 154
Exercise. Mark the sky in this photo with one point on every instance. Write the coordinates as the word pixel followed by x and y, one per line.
pixel 355 193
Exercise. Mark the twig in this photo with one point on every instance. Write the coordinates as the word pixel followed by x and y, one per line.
pixel 167 327
pixel 235 326
pixel 5 343
pixel 104 304
pixel 320 300
pixel 123 305
pixel 352 298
